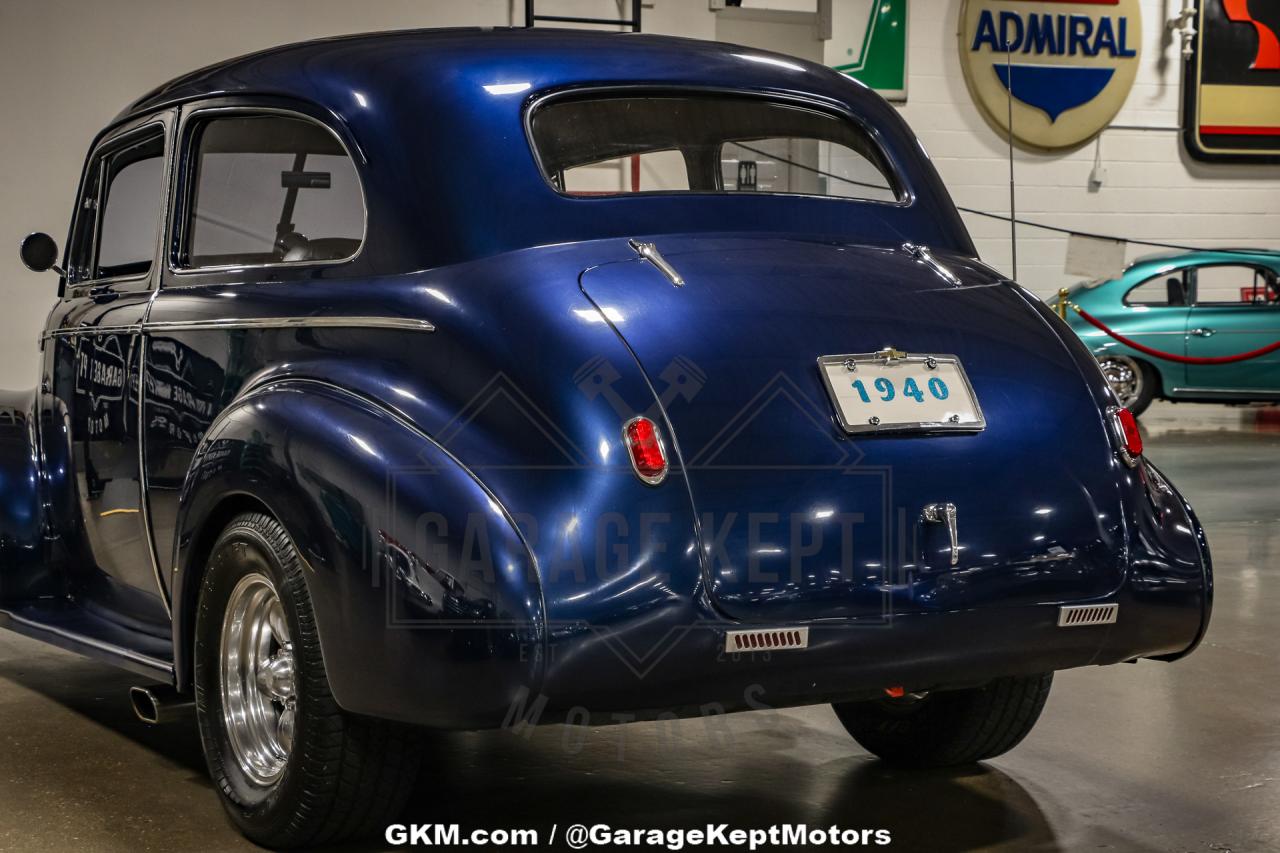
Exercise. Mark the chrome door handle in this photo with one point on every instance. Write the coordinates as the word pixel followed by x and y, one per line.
pixel 944 514
pixel 1202 333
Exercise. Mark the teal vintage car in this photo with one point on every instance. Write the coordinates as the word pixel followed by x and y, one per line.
pixel 1197 304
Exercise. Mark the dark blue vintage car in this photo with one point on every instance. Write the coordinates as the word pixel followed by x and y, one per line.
pixel 464 379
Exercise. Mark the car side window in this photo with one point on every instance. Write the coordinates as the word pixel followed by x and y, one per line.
pixel 1166 289
pixel 270 189
pixel 1227 285
pixel 119 216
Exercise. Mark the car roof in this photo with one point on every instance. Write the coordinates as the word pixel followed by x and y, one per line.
pixel 437 119
pixel 439 54
pixel 1270 257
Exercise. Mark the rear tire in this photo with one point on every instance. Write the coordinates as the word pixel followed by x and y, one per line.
pixel 947 728
pixel 292 769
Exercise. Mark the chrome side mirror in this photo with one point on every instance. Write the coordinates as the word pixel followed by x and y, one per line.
pixel 39 252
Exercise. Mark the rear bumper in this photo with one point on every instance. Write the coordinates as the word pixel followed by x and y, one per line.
pixel 681 668
pixel 849 662
pixel 671 660
pixel 1164 605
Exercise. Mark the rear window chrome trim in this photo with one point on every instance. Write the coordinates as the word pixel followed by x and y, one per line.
pixel 835 109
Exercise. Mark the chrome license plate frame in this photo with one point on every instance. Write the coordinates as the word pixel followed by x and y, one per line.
pixel 852 415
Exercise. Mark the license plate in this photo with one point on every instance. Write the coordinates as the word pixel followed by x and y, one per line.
pixel 892 391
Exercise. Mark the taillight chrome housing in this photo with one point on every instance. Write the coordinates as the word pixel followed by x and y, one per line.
pixel 1127 437
pixel 645 448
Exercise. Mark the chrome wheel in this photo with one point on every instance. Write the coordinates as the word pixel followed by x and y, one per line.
pixel 259 696
pixel 1124 376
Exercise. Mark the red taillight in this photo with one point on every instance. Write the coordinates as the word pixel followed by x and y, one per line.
pixel 1130 437
pixel 644 444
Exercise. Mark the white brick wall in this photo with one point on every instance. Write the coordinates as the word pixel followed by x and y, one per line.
pixel 59 91
pixel 1152 191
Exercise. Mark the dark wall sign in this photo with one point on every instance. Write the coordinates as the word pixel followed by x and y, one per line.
pixel 1231 92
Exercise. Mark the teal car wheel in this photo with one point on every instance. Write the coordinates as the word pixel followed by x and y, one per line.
pixel 1133 382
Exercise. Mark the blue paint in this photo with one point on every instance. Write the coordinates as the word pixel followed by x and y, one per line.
pixel 507 418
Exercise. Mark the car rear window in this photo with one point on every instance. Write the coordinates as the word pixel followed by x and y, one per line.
pixel 618 145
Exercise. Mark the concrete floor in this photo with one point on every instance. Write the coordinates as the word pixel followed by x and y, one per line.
pixel 1150 757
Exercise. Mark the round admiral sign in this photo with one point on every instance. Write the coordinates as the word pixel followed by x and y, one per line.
pixel 1068 64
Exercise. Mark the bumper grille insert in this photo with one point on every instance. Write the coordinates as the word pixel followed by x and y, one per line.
pixel 1080 615
pixel 771 640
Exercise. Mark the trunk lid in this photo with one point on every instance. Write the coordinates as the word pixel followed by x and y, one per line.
pixel 800 521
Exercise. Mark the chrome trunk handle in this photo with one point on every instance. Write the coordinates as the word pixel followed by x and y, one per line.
pixel 944 514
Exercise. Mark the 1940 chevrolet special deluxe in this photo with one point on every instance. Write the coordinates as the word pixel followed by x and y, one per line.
pixel 467 378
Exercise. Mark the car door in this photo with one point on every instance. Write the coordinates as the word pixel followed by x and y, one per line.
pixel 93 363
pixel 268 204
pixel 1156 316
pixel 1233 314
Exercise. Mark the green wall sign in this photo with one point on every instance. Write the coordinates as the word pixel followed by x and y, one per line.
pixel 869 43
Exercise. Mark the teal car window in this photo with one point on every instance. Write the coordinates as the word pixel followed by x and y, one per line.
pixel 1235 284
pixel 1166 289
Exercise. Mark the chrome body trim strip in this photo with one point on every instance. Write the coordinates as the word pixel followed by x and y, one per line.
pixel 1237 331
pixel 1260 393
pixel 31 628
pixel 409 324
pixel 94 330
pixel 1097 333
pixel 143 503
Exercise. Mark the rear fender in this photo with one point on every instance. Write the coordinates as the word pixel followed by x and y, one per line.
pixel 23 570
pixel 1169 563
pixel 427 602
pixel 1171 567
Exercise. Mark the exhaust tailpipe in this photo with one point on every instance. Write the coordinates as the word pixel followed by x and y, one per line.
pixel 160 704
